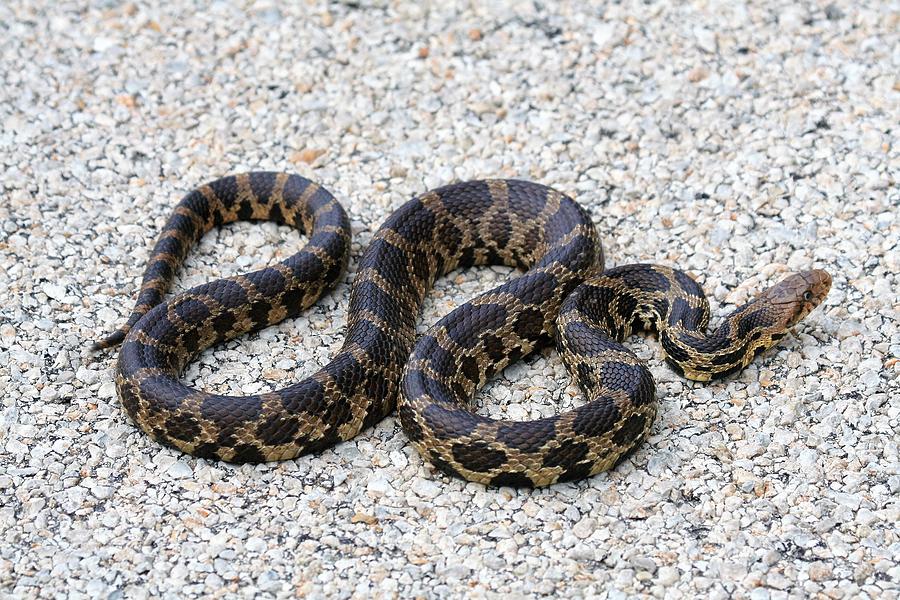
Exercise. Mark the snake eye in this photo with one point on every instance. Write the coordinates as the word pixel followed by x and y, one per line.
pixel 807 295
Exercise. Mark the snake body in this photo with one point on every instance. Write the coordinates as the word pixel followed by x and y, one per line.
pixel 516 223
pixel 509 222
pixel 437 387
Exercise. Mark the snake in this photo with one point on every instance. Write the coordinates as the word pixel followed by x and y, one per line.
pixel 562 294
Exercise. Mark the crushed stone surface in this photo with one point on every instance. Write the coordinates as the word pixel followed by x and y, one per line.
pixel 737 141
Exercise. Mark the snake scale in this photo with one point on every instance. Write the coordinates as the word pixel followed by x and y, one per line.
pixel 562 293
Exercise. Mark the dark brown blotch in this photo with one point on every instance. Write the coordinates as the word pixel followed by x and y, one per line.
pixel 527 436
pixel 261 184
pixel 378 388
pixel 130 398
pixel 674 352
pixel 245 210
pixel 526 198
pixel 529 324
pixel 346 372
pixel 443 465
pixel 225 189
pixel 226 292
pixel 500 229
pixel 631 431
pixel 625 455
pixel 559 224
pixel 389 261
pixel 157 325
pixel 420 384
pixel 596 418
pixel 190 341
pixel 636 380
pixel 208 450
pixel 625 306
pixel 306 267
pixel 293 190
pixel 410 425
pixel 459 390
pixel 465 324
pixel 228 410
pixel 307 396
pixel 468 200
pixel 442 361
pixel 585 340
pixel 278 429
pixel 735 356
pixel 515 352
pixel 319 200
pixel 576 471
pixel 223 323
pixel 514 479
pixel 191 310
pixel 568 452
pixel 334 272
pixel 470 369
pixel 133 356
pixel 729 371
pixel 159 269
pixel 413 384
pixel 586 379
pixel 418 224
pixel 645 278
pixel 691 287
pixel 661 306
pixel 169 245
pixel 259 312
pixel 750 321
pixel 247 453
pixel 268 281
pixel 495 348
pixel 184 225
pixel 466 257
pixel 168 394
pixel 197 203
pixel 276 215
pixel 690 318
pixel 478 456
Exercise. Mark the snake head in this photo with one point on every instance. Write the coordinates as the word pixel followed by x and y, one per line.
pixel 795 296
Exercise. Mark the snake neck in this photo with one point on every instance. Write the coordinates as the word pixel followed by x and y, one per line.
pixel 655 299
pixel 744 334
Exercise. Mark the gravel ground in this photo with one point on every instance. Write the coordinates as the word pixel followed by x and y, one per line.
pixel 737 141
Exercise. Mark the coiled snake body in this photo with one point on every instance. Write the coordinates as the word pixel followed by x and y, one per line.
pixel 509 222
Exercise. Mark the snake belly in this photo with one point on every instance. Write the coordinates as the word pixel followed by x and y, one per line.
pixel 443 372
pixel 510 222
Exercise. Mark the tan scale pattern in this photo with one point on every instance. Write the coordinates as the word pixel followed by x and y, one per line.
pixel 619 390
pixel 510 222
pixel 481 222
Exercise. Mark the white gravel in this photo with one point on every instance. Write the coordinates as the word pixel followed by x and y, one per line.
pixel 737 140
